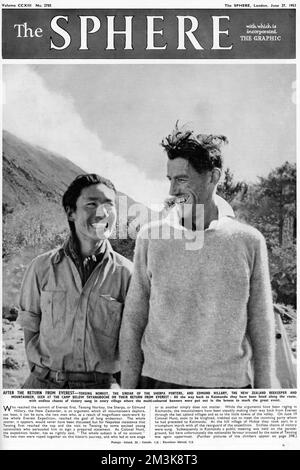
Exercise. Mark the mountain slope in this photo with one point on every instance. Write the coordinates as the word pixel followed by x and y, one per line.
pixel 31 173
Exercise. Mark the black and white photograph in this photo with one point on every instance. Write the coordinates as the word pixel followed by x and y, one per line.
pixel 61 121
pixel 149 235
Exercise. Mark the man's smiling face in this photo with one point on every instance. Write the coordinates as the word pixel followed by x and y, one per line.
pixel 185 181
pixel 95 214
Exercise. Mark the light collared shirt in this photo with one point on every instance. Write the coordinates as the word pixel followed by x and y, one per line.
pixel 76 326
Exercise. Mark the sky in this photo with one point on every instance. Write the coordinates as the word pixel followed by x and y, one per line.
pixel 111 118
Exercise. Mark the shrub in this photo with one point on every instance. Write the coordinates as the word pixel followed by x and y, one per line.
pixel 42 225
pixel 283 273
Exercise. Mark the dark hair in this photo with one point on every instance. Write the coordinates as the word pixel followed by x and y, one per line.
pixel 73 192
pixel 202 151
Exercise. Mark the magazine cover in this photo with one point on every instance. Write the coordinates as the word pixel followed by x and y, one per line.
pixel 149 228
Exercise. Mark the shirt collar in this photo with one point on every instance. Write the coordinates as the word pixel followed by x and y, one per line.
pixel 71 248
pixel 224 210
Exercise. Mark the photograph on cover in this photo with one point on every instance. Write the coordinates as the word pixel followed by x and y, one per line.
pixel 94 158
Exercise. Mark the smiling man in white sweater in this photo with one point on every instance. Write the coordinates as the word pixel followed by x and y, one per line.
pixel 197 318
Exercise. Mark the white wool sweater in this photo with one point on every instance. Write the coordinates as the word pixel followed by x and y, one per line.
pixel 197 318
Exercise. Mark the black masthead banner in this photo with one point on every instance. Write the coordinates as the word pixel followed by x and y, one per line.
pixel 148 34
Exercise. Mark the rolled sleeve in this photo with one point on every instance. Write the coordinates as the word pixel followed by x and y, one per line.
pixel 29 320
pixel 29 303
